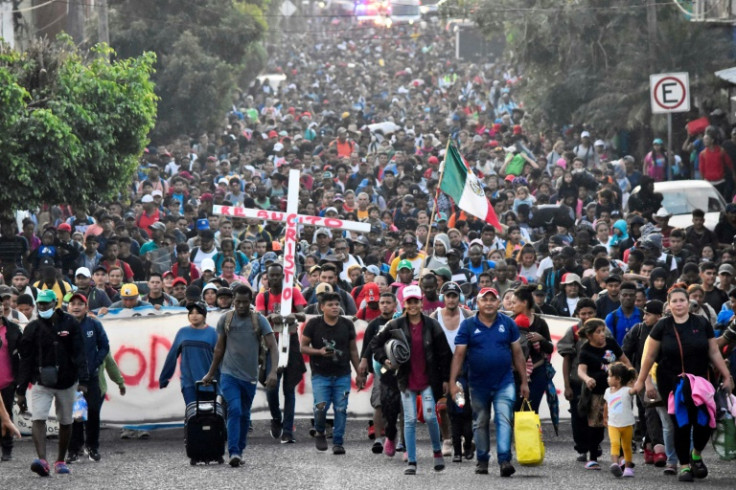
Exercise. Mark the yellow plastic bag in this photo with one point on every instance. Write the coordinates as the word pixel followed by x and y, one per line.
pixel 528 436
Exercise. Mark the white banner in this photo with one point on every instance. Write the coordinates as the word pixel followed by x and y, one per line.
pixel 140 344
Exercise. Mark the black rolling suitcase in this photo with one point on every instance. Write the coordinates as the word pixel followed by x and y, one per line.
pixel 205 429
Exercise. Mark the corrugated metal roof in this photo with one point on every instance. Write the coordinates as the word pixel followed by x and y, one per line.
pixel 729 75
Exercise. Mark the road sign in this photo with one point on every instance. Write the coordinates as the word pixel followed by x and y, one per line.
pixel 287 9
pixel 669 92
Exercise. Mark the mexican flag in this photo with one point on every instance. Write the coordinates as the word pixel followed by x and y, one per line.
pixel 461 184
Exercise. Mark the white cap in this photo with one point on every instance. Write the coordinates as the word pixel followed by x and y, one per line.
pixel 599 143
pixel 208 265
pixel 147 198
pixel 157 193
pixel 412 291
pixel 83 271
pixel 278 147
pixel 585 134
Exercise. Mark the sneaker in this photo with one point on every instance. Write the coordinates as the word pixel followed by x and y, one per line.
pixel 670 469
pixel 468 452
pixel 447 447
pixel 629 473
pixel 40 467
pixel 371 430
pixel 648 456
pixel 481 468
pixel 507 469
pixel 411 469
pixel 377 447
pixel 320 442
pixel 277 428
pixel 93 454
pixel 7 456
pixel 582 458
pixel 235 460
pixel 400 448
pixel 338 450
pixel 389 448
pixel 60 468
pixel 287 439
pixel 685 474
pixel 439 461
pixel 593 465
pixel 698 467
pixel 72 457
pixel 458 458
pixel 616 470
pixel 143 434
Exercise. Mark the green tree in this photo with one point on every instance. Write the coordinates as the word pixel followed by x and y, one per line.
pixel 72 124
pixel 205 50
pixel 589 61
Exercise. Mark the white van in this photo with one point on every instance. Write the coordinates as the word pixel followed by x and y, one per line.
pixel 405 11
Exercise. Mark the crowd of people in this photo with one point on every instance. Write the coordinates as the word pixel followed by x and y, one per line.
pixel 366 117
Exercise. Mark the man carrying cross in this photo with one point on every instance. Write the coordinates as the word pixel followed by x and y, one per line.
pixel 268 304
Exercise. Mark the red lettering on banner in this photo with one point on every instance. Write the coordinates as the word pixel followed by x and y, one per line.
pixel 225 210
pixel 240 212
pixel 290 234
pixel 262 214
pixel 333 223
pixel 287 293
pixel 132 379
pixel 156 341
pixel 310 219
pixel 276 216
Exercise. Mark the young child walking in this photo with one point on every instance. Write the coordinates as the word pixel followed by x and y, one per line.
pixel 618 415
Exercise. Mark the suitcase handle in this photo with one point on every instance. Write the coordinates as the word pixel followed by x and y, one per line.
pixel 197 390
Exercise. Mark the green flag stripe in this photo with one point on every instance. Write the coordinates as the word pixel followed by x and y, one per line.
pixel 455 174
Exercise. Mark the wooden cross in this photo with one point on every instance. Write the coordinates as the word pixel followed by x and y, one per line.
pixel 291 218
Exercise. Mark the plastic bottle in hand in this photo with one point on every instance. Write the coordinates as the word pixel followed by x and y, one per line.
pixel 460 397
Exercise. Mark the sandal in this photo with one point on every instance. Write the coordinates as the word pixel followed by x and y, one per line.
pixel 592 465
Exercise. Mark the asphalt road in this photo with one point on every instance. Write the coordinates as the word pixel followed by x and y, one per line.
pixel 160 463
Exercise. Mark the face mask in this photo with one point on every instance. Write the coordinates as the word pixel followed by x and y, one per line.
pixel 46 314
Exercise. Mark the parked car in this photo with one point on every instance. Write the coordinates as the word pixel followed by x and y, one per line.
pixel 681 197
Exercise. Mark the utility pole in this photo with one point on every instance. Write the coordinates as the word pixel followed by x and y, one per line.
pixel 103 28
pixel 652 29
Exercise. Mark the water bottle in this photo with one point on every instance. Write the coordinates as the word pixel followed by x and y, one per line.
pixel 460 397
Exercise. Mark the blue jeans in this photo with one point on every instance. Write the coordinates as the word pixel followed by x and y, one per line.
pixel 272 397
pixel 668 434
pixel 331 390
pixel 503 403
pixel 409 401
pixel 239 397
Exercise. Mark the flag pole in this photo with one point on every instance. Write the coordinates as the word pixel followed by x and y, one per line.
pixel 437 194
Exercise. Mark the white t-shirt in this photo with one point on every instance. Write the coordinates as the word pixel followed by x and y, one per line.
pixel 620 407
pixel 572 303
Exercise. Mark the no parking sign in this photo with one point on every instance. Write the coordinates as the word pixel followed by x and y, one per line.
pixel 669 92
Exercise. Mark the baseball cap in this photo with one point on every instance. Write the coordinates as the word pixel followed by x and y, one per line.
pixel 20 271
pixel 540 290
pixel 444 273
pixel 323 231
pixel 64 227
pixel 129 291
pixel 412 292
pixel 78 296
pixel 654 307
pixel 331 209
pixel 372 292
pixel 726 269
pixel 5 291
pixel 46 296
pixel 268 257
pixel 83 271
pixel 158 226
pixel 323 287
pixel 208 265
pixel 178 280
pixel 405 264
pixel 571 278
pixel 485 291
pixel 585 134
pixel 147 198
pixel 156 193
pixel 451 287
pixel 203 224
pixel 373 269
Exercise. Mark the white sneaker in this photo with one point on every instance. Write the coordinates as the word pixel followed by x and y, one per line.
pixel 447 448
pixel 128 434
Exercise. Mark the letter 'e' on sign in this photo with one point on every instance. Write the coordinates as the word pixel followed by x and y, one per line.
pixel 669 92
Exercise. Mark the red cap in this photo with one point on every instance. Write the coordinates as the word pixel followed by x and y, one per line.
pixel 78 296
pixel 485 291
pixel 179 280
pixel 273 134
pixel 510 177
pixel 64 227
pixel 166 274
pixel 372 293
pixel 433 160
